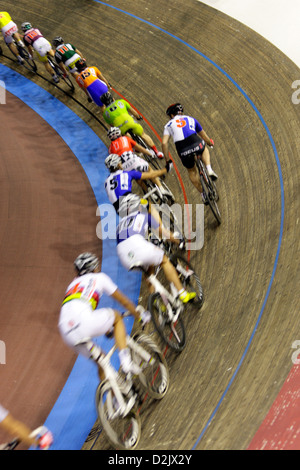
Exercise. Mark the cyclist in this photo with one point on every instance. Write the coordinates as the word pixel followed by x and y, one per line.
pixel 188 136
pixel 19 430
pixel 80 319
pixel 119 183
pixel 35 41
pixel 66 55
pixel 10 32
pixel 117 114
pixel 125 147
pixel 134 250
pixel 93 83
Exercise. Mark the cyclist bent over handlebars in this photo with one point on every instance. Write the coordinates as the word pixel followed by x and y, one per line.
pixel 9 30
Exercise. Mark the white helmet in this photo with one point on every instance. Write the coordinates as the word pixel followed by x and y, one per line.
pixel 113 133
pixel 86 263
pixel 112 161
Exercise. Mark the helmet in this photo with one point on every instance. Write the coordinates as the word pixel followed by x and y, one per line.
pixel 128 204
pixel 57 41
pixel 26 26
pixel 107 98
pixel 174 109
pixel 86 263
pixel 113 133
pixel 81 65
pixel 112 161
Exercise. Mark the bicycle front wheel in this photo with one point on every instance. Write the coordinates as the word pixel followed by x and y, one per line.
pixel 68 82
pixel 28 63
pixel 123 432
pixel 172 333
pixel 154 377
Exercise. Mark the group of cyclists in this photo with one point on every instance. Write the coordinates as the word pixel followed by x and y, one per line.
pixel 80 316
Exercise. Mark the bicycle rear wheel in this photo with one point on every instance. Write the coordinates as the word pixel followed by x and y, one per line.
pixel 68 82
pixel 172 333
pixel 189 279
pixel 123 432
pixel 155 373
pixel 211 196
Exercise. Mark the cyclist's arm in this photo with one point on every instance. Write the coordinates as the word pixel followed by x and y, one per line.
pixel 165 146
pixel 133 112
pixel 79 53
pixel 101 76
pixel 151 174
pixel 126 303
pixel 19 429
pixel 205 137
pixel 140 148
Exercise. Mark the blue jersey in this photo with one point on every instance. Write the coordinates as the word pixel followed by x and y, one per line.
pixel 182 127
pixel 136 223
pixel 119 184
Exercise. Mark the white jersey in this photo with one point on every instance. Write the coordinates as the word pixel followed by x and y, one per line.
pixel 89 288
pixel 3 413
pixel 182 127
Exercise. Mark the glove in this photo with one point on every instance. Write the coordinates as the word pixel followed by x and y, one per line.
pixel 212 143
pixel 140 118
pixel 145 317
pixel 169 166
pixel 45 441
pixel 89 99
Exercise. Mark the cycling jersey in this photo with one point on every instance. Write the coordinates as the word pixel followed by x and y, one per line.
pixel 88 76
pixel 182 127
pixel 5 18
pixel 121 145
pixel 119 184
pixel 31 36
pixel 136 223
pixel 64 52
pixel 3 413
pixel 89 288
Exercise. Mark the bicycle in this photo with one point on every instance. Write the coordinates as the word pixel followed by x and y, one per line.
pixel 118 395
pixel 38 433
pixel 28 61
pixel 208 188
pixel 164 304
pixel 61 75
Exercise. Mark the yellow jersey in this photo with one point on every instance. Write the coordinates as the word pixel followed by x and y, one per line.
pixel 4 19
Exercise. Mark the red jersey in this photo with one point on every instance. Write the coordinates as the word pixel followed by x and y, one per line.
pixel 121 145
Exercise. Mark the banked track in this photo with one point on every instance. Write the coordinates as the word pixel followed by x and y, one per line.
pixel 239 349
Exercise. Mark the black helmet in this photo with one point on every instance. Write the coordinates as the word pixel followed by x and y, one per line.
pixel 86 263
pixel 81 65
pixel 174 109
pixel 107 98
pixel 57 41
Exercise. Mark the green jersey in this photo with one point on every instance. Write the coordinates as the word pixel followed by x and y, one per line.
pixel 64 52
pixel 116 112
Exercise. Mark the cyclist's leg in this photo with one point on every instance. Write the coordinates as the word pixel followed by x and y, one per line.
pixel 205 157
pixel 9 40
pixel 172 276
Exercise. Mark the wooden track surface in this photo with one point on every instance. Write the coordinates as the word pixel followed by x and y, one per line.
pixel 239 260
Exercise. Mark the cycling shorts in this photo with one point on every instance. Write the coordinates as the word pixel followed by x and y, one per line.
pixel 128 123
pixel 97 89
pixel 71 63
pixel 42 46
pixel 78 321
pixel 188 147
pixel 8 30
pixel 130 161
pixel 138 250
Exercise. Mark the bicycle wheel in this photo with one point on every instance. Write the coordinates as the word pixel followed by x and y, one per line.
pixel 67 81
pixel 155 373
pixel 172 333
pixel 210 193
pixel 123 432
pixel 189 279
pixel 28 63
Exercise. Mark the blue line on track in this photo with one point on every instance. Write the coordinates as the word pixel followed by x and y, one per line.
pixel 74 413
pixel 281 194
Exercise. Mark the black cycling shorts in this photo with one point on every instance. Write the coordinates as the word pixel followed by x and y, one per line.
pixel 188 147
